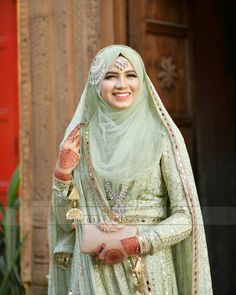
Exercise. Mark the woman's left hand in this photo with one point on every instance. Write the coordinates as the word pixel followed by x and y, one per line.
pixel 118 250
pixel 69 156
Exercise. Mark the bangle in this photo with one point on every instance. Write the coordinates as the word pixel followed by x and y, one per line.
pixel 143 244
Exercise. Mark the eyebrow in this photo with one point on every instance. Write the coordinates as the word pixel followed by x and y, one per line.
pixel 127 72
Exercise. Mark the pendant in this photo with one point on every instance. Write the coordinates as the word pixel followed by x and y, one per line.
pixel 74 195
pixel 119 209
pixel 138 265
pixel 74 213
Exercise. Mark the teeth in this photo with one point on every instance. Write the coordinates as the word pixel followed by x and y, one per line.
pixel 122 94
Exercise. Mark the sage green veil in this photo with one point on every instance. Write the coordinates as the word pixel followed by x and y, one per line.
pixel 190 255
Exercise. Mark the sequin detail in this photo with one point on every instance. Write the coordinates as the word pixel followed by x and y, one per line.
pixel 121 63
pixel 97 71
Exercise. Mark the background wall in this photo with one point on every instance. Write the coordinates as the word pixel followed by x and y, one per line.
pixel 215 76
pixel 57 40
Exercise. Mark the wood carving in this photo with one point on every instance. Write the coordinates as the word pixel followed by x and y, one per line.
pixel 167 73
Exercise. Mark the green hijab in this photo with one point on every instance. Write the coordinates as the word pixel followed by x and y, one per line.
pixel 140 139
pixel 125 144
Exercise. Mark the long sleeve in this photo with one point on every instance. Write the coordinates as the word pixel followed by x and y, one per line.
pixel 61 203
pixel 178 225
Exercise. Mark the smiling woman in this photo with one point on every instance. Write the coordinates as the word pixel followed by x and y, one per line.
pixel 121 162
pixel 120 86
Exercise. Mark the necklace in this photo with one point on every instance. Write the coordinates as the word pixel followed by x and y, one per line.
pixel 119 208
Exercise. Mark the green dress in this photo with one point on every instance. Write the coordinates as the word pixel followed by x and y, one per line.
pixel 163 203
pixel 161 211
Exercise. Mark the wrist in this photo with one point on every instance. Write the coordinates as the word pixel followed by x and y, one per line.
pixel 145 245
pixel 131 245
pixel 62 175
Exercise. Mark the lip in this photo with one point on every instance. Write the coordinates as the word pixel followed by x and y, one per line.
pixel 121 95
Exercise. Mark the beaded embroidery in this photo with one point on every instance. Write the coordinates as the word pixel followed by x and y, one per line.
pixel 97 71
pixel 121 63
pixel 187 187
pixel 119 207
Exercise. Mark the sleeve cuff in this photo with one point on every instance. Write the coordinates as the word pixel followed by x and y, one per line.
pixel 62 186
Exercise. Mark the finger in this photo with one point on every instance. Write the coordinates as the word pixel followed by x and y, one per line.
pixel 76 139
pixel 99 249
pixel 102 254
pixel 74 131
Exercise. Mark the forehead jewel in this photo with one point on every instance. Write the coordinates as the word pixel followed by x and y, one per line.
pixel 97 71
pixel 121 63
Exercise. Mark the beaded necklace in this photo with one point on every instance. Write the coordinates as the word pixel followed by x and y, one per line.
pixel 119 207
pixel 118 211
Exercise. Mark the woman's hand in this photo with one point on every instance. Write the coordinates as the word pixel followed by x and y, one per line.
pixel 117 250
pixel 68 156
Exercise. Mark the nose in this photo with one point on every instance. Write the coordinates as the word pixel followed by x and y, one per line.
pixel 121 83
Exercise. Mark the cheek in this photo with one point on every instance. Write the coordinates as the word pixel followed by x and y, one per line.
pixel 105 88
pixel 136 87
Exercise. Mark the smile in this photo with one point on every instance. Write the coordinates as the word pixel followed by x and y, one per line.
pixel 123 95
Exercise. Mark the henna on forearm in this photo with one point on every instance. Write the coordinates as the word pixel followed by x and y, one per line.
pixel 113 256
pixel 67 158
pixel 74 132
pixel 62 176
pixel 131 245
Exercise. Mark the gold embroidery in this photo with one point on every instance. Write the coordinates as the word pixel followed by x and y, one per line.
pixel 187 188
pixel 62 259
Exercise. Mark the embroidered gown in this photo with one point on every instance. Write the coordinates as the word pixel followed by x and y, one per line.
pixel 163 203
pixel 157 204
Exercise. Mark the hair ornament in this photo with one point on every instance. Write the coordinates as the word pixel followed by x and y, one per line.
pixel 121 63
pixel 97 71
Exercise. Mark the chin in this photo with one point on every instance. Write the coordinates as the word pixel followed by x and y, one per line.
pixel 122 106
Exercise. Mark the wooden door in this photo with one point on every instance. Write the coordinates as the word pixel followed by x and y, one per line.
pixel 159 31
pixel 8 94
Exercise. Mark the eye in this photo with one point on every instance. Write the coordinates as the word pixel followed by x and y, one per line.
pixel 131 75
pixel 110 76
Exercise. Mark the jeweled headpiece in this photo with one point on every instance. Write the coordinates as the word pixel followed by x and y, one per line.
pixel 121 63
pixel 97 71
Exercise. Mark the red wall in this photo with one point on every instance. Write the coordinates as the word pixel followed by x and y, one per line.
pixel 9 125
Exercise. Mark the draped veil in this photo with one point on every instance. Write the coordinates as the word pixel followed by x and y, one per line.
pixel 190 255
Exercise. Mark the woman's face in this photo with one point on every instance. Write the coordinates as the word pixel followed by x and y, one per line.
pixel 120 86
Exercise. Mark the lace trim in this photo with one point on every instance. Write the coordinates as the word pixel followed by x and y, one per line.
pixel 187 188
pixel 170 241
pixel 62 259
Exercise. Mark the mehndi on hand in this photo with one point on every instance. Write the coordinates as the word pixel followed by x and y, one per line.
pixel 69 156
pixel 118 250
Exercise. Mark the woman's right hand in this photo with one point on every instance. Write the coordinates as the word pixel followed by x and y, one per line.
pixel 69 156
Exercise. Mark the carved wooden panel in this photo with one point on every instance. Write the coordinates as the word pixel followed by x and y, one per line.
pixel 113 17
pixel 160 31
pixel 26 155
pixel 166 66
pixel 58 40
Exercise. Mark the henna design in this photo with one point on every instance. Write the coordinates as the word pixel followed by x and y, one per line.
pixel 68 158
pixel 131 245
pixel 113 256
pixel 74 131
pixel 76 139
pixel 62 176
pixel 98 250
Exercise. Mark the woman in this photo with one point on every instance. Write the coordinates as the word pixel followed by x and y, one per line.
pixel 125 215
